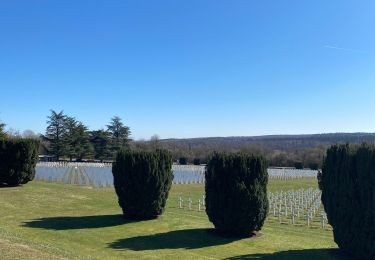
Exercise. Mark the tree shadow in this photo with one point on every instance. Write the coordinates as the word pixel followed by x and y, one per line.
pixel 5 185
pixel 305 254
pixel 177 239
pixel 85 222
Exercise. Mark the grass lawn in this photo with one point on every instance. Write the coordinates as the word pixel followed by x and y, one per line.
pixel 56 221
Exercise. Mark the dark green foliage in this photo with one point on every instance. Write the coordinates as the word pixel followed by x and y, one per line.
pixel 76 140
pixel 18 158
pixel 142 182
pixel 2 131
pixel 100 140
pixel 298 165
pixel 71 138
pixel 347 182
pixel 80 142
pixel 182 161
pixel 55 133
pixel 197 161
pixel 236 193
pixel 314 166
pixel 119 135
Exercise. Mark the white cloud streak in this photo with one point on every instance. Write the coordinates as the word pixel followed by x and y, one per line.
pixel 333 47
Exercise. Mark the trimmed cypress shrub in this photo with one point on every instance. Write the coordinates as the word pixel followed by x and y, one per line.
pixel 197 161
pixel 18 158
pixel 183 161
pixel 314 166
pixel 236 193
pixel 347 182
pixel 298 165
pixel 142 182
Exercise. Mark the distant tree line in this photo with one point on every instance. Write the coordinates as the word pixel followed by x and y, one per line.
pixel 68 138
pixel 186 153
pixel 300 151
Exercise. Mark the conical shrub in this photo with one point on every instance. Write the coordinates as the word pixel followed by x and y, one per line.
pixel 142 182
pixel 347 182
pixel 18 158
pixel 236 193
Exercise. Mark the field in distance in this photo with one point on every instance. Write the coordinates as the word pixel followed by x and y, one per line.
pixel 54 221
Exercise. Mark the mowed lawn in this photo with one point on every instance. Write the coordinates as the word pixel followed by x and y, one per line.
pixel 56 221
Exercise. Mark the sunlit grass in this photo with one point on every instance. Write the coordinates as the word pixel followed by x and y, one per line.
pixel 45 220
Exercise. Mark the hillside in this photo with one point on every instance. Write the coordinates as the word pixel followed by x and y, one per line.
pixel 275 142
pixel 279 150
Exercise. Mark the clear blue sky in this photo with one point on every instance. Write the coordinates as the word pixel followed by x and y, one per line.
pixel 190 68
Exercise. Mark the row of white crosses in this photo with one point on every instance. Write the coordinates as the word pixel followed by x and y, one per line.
pixel 87 174
pixel 100 173
pixel 183 174
pixel 296 205
pixel 299 204
pixel 189 203
pixel 291 173
pixel 73 164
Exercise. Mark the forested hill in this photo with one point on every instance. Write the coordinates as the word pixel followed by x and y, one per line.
pixel 278 142
pixel 279 150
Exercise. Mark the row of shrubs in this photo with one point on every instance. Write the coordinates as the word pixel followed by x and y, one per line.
pixel 185 161
pixel 236 188
pixel 236 192
pixel 143 179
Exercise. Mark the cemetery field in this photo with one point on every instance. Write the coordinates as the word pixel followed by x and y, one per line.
pixel 54 221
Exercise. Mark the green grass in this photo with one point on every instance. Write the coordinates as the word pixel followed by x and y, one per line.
pixel 47 221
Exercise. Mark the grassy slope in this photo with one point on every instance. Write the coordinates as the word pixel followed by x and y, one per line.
pixel 44 220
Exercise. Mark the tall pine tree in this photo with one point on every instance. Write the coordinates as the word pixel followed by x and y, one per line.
pixel 119 135
pixel 100 140
pixel 83 147
pixel 70 126
pixel 76 140
pixel 55 133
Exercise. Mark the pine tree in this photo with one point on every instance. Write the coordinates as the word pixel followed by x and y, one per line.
pixel 100 140
pixel 83 147
pixel 119 135
pixel 55 133
pixel 76 140
pixel 70 126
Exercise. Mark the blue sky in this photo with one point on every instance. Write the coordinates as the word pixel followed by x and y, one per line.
pixel 190 68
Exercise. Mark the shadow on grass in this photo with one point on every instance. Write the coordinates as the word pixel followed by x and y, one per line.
pixel 177 239
pixel 305 254
pixel 5 185
pixel 85 222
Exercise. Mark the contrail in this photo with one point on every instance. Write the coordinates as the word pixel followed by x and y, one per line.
pixel 342 49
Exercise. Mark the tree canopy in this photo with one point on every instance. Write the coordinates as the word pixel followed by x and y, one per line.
pixel 71 138
pixel 2 129
pixel 56 129
pixel 119 134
